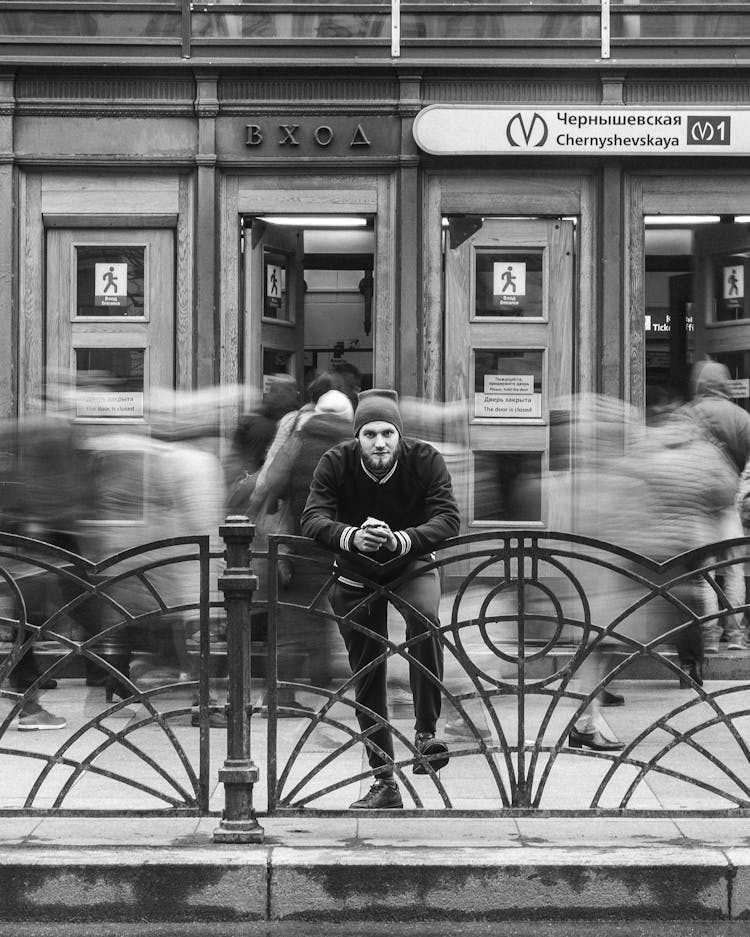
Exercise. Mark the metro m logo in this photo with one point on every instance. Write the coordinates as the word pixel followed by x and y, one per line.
pixel 709 131
pixel 519 133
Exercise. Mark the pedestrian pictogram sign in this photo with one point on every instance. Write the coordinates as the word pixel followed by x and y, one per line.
pixel 273 285
pixel 111 284
pixel 734 283
pixel 509 282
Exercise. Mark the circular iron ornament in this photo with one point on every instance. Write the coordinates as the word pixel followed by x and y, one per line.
pixel 557 619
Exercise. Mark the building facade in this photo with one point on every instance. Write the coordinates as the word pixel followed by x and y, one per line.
pixel 496 206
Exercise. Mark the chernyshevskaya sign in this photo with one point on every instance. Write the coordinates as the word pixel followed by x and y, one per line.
pixel 456 129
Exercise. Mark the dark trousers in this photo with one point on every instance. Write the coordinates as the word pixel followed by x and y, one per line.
pixel 423 594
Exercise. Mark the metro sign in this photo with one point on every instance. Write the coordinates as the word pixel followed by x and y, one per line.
pixel 529 133
pixel 709 131
pixel 457 129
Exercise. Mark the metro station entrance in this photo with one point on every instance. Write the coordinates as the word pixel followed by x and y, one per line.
pixel 308 278
pixel 697 303
pixel 309 289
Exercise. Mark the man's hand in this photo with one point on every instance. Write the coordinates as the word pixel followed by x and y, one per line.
pixel 372 535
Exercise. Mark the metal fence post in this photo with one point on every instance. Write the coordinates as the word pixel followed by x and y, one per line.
pixel 239 774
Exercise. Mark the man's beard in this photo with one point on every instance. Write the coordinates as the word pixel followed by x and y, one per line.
pixel 381 463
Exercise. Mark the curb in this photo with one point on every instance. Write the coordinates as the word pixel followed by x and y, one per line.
pixel 255 884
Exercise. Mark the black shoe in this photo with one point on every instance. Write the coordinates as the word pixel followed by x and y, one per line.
pixel 611 699
pixel 383 795
pixel 593 740
pixel 692 670
pixel 117 690
pixel 427 745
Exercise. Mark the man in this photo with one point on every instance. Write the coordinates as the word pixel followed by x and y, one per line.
pixel 389 499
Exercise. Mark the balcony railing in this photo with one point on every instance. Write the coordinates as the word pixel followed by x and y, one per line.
pixel 378 29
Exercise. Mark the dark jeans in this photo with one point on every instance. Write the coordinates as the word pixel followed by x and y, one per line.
pixel 423 594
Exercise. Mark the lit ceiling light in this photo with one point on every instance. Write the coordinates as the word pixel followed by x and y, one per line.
pixel 315 221
pixel 675 220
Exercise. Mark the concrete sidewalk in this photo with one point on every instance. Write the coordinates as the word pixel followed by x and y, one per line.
pixel 390 868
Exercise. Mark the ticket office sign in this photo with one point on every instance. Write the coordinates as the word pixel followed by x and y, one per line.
pixel 508 396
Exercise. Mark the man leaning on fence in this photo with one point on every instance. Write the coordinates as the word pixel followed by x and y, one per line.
pixel 388 498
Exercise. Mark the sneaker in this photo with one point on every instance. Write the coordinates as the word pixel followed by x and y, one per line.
pixel 737 643
pixel 711 647
pixel 434 752
pixel 40 719
pixel 383 795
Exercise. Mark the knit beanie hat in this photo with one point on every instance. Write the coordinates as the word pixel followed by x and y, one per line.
pixel 377 405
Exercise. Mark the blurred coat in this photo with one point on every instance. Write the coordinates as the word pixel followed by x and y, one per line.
pixel 713 409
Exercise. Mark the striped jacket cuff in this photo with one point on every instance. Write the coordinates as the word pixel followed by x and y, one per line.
pixel 404 542
pixel 347 537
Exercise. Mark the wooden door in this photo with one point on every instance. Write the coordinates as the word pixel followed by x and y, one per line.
pixel 110 320
pixel 110 350
pixel 509 361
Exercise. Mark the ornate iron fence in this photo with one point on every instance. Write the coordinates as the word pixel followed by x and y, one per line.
pixel 132 635
pixel 535 626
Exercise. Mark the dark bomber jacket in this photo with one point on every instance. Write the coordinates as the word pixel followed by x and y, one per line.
pixel 415 499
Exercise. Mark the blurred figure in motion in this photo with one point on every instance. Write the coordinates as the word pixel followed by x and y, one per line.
pixel 253 437
pixel 44 494
pixel 389 498
pixel 665 495
pixel 344 380
pixel 304 643
pixel 728 426
pixel 269 512
pixel 165 486
pixel 594 483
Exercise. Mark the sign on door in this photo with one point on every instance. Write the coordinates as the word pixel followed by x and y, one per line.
pixel 111 284
pixel 509 283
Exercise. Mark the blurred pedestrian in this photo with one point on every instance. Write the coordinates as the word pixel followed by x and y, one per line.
pixel 665 496
pixel 44 493
pixel 728 426
pixel 253 437
pixel 304 647
pixel 174 488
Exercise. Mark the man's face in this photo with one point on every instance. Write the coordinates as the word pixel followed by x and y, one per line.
pixel 378 441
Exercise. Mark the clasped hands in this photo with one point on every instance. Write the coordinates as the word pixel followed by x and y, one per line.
pixel 374 534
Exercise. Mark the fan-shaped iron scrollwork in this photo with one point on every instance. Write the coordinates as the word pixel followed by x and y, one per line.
pixel 535 627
